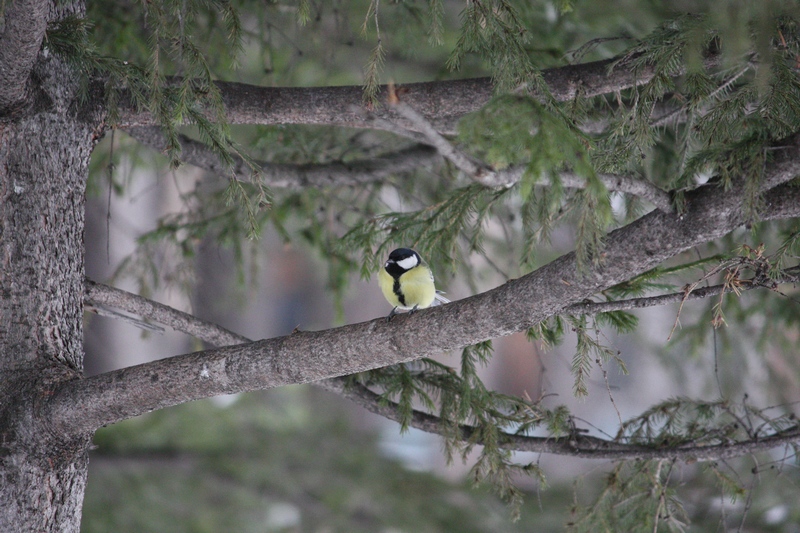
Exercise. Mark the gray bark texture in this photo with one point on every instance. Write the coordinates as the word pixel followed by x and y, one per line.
pixel 45 146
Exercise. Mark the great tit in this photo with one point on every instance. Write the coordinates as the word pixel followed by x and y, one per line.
pixel 407 282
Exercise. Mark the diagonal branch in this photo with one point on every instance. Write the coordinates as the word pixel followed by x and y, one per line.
pixel 24 27
pixel 477 170
pixel 81 406
pixel 102 311
pixel 575 445
pixel 99 294
pixel 485 175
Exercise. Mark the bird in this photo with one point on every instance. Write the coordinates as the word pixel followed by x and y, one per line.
pixel 407 282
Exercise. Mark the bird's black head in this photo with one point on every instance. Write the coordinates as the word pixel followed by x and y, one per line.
pixel 400 261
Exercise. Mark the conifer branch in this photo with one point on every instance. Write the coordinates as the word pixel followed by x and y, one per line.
pixel 476 170
pixel 25 22
pixel 81 406
pixel 484 174
pixel 376 169
pixel 575 445
pixel 290 176
pixel 593 308
pixel 442 103
pixel 99 294
pixel 785 164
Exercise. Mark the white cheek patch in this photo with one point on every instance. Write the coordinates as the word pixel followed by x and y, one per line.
pixel 408 263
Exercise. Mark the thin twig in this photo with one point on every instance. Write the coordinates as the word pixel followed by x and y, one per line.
pixel 627 184
pixel 608 389
pixel 691 287
pixel 593 308
pixel 478 171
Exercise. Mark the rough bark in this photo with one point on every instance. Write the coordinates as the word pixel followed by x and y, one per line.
pixel 575 445
pixel 44 157
pixel 442 103
pixel 24 25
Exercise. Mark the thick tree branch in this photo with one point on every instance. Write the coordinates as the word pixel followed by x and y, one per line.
pixel 83 405
pixel 24 27
pixel 576 445
pixel 288 176
pixel 442 103
pixel 98 294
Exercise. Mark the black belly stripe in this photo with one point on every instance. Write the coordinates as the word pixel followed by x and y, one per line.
pixel 396 290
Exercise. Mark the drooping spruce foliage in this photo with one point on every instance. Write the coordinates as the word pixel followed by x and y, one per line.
pixel 723 90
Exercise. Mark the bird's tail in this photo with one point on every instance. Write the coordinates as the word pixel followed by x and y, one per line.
pixel 439 299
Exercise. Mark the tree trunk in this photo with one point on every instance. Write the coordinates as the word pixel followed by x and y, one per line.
pixel 44 160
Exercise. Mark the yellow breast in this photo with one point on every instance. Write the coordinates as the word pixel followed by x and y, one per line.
pixel 414 288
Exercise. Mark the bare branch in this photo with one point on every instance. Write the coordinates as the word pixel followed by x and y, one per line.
pixel 785 165
pixel 20 41
pixel 636 187
pixel 141 324
pixel 296 176
pixel 613 182
pixel 593 308
pixel 99 294
pixel 442 103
